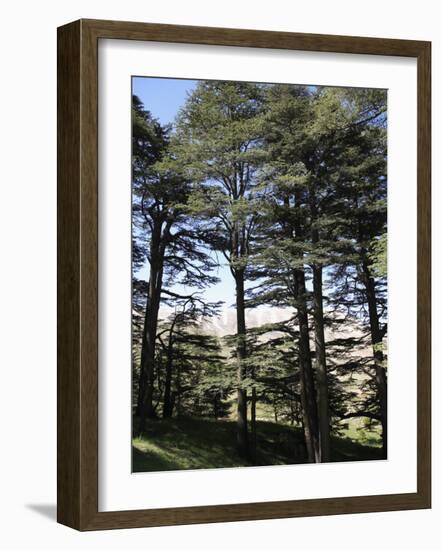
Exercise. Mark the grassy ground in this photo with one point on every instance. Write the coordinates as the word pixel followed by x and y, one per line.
pixel 191 443
pixel 356 430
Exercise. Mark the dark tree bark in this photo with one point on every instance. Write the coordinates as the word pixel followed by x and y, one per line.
pixel 308 392
pixel 167 403
pixel 242 435
pixel 275 413
pixel 376 340
pixel 292 412
pixel 307 379
pixel 147 365
pixel 253 423
pixel 168 398
pixel 320 354
pixel 178 393
pixel 216 401
pixel 321 366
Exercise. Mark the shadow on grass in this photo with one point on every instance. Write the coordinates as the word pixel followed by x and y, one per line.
pixel 144 461
pixel 201 443
pixel 344 449
pixel 185 443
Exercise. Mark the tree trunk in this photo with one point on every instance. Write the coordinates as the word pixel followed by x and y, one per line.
pixel 320 355
pixel 321 366
pixel 292 412
pixel 253 426
pixel 376 340
pixel 147 378
pixel 242 436
pixel 307 382
pixel 167 404
pixel 308 392
pixel 177 395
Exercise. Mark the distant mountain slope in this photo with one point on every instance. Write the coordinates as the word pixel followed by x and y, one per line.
pixel 225 323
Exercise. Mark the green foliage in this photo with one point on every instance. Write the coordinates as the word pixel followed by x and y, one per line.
pixel 378 255
pixel 217 145
pixel 275 181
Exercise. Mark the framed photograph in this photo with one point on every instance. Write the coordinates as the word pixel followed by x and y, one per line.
pixel 243 275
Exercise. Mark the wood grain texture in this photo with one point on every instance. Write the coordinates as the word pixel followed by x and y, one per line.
pixel 424 274
pixel 68 276
pixel 252 38
pixel 77 458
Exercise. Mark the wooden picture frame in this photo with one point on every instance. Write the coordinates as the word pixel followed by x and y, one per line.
pixel 78 274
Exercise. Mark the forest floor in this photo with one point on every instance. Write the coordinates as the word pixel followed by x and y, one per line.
pixel 193 443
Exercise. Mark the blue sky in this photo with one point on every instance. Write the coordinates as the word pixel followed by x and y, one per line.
pixel 163 97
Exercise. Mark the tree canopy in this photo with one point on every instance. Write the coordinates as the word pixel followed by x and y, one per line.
pixel 286 186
